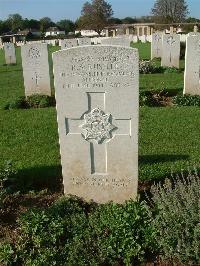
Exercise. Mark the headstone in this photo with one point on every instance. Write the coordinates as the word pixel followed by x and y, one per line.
pixel 143 38
pixel 36 69
pixel 84 41
pixel 192 65
pixel 96 90
pixel 10 56
pixel 68 43
pixel 170 50
pixel 121 41
pixel 156 45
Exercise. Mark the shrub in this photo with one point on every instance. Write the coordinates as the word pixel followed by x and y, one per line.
pixel 33 101
pixel 19 103
pixel 187 100
pixel 39 101
pixel 7 178
pixel 171 70
pixel 148 67
pixel 72 232
pixel 177 219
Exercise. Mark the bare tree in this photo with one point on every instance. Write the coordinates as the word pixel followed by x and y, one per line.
pixel 170 10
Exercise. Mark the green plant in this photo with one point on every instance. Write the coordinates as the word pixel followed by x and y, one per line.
pixel 73 232
pixel 19 103
pixel 7 178
pixel 187 100
pixel 39 101
pixel 124 232
pixel 177 219
pixel 171 70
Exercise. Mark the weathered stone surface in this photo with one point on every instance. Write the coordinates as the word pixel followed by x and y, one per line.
pixel 192 65
pixel 36 69
pixel 84 41
pixel 10 56
pixel 170 50
pixel 121 41
pixel 156 45
pixel 97 107
pixel 68 43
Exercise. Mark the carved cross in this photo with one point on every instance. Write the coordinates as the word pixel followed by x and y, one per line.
pixel 98 128
pixel 36 78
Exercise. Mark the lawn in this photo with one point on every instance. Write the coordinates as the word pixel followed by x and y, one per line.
pixel 167 138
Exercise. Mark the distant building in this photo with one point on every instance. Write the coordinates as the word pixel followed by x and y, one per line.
pixel 89 33
pixel 54 31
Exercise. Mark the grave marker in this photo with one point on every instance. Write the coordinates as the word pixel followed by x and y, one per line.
pixel 170 50
pixel 192 65
pixel 97 108
pixel 10 56
pixel 156 45
pixel 68 43
pixel 36 69
pixel 84 41
pixel 121 41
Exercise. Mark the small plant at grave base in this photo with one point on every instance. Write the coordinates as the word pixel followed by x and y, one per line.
pixel 171 70
pixel 7 177
pixel 33 101
pixel 154 98
pixel 19 103
pixel 187 100
pixel 73 232
pixel 177 219
pixel 40 101
pixel 148 67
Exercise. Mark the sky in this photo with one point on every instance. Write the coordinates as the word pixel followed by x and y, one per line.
pixel 71 9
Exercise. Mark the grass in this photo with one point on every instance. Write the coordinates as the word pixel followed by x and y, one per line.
pixel 167 138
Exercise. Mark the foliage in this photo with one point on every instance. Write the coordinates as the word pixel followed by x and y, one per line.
pixel 177 216
pixel 66 25
pixel 170 10
pixel 186 100
pixel 73 232
pixel 33 101
pixel 7 178
pixel 171 70
pixel 148 67
pixel 95 15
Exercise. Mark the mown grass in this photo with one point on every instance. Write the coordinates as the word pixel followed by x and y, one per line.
pixel 168 137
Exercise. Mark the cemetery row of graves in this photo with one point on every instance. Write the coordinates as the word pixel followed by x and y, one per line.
pixel 137 146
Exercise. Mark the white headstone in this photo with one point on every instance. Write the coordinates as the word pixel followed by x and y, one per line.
pixel 192 65
pixel 84 41
pixel 96 91
pixel 156 45
pixel 121 41
pixel 10 56
pixel 170 50
pixel 68 43
pixel 36 69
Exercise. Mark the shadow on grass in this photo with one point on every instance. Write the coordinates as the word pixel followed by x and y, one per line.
pixel 161 158
pixel 39 178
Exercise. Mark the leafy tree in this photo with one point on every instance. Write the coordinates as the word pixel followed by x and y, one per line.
pixel 114 21
pixel 45 23
pixel 31 24
pixel 170 10
pixel 66 25
pixel 129 20
pixel 15 22
pixel 4 27
pixel 95 15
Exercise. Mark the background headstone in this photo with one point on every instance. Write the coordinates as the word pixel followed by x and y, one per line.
pixel 84 41
pixel 192 65
pixel 97 92
pixel 170 50
pixel 10 56
pixel 156 45
pixel 122 41
pixel 36 69
pixel 68 43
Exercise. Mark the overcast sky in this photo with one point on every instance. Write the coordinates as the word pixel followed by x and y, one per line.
pixel 70 9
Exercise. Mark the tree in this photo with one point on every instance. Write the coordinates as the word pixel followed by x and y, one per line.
pixel 95 15
pixel 15 22
pixel 66 25
pixel 170 10
pixel 45 23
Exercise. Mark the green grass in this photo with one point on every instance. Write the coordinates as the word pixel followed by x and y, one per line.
pixel 168 137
